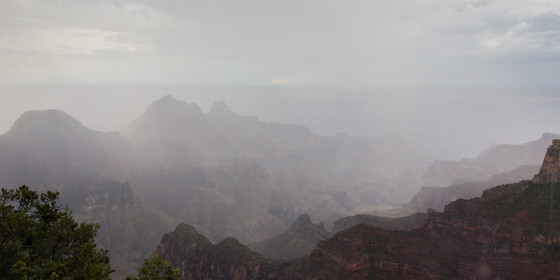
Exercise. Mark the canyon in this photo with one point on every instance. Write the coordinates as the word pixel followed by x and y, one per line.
pixel 225 174
pixel 510 232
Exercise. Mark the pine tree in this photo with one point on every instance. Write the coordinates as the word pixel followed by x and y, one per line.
pixel 39 239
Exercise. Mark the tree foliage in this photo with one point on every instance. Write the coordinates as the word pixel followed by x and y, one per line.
pixel 40 240
pixel 155 268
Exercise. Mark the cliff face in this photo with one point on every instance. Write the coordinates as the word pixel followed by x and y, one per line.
pixel 198 258
pixel 550 170
pixel 510 232
pixel 364 252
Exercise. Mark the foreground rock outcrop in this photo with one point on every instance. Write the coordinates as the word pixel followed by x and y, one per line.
pixel 511 232
pixel 198 258
pixel 550 170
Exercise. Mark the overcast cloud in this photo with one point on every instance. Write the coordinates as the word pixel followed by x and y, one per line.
pixel 254 42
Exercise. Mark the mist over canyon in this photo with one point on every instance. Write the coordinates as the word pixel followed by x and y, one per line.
pixel 279 140
pixel 281 188
pixel 439 123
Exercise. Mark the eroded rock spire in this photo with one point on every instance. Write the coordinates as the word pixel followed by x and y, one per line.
pixel 550 169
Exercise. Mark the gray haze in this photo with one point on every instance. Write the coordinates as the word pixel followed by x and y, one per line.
pixel 334 66
pixel 441 123
pixel 477 43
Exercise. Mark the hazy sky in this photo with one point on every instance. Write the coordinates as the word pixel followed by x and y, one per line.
pixel 443 123
pixel 315 42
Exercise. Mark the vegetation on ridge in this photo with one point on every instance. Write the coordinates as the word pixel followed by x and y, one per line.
pixel 40 240
pixel 155 268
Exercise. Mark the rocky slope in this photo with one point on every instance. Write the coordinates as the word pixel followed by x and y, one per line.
pixel 550 170
pixel 295 242
pixel 198 258
pixel 497 159
pixel 510 232
pixel 437 197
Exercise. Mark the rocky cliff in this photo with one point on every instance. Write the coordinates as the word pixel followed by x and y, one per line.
pixel 198 258
pixel 510 232
pixel 506 234
pixel 550 170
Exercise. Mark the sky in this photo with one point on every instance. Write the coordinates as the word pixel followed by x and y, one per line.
pixel 358 43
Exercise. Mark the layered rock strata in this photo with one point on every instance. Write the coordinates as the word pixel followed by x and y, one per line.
pixel 510 232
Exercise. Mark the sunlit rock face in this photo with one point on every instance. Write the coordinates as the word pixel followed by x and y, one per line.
pixel 550 168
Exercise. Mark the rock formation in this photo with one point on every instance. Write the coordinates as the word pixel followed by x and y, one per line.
pixel 550 170
pixel 497 159
pixel 437 197
pixel 295 242
pixel 256 177
pixel 231 174
pixel 510 232
pixel 198 258
pixel 52 148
